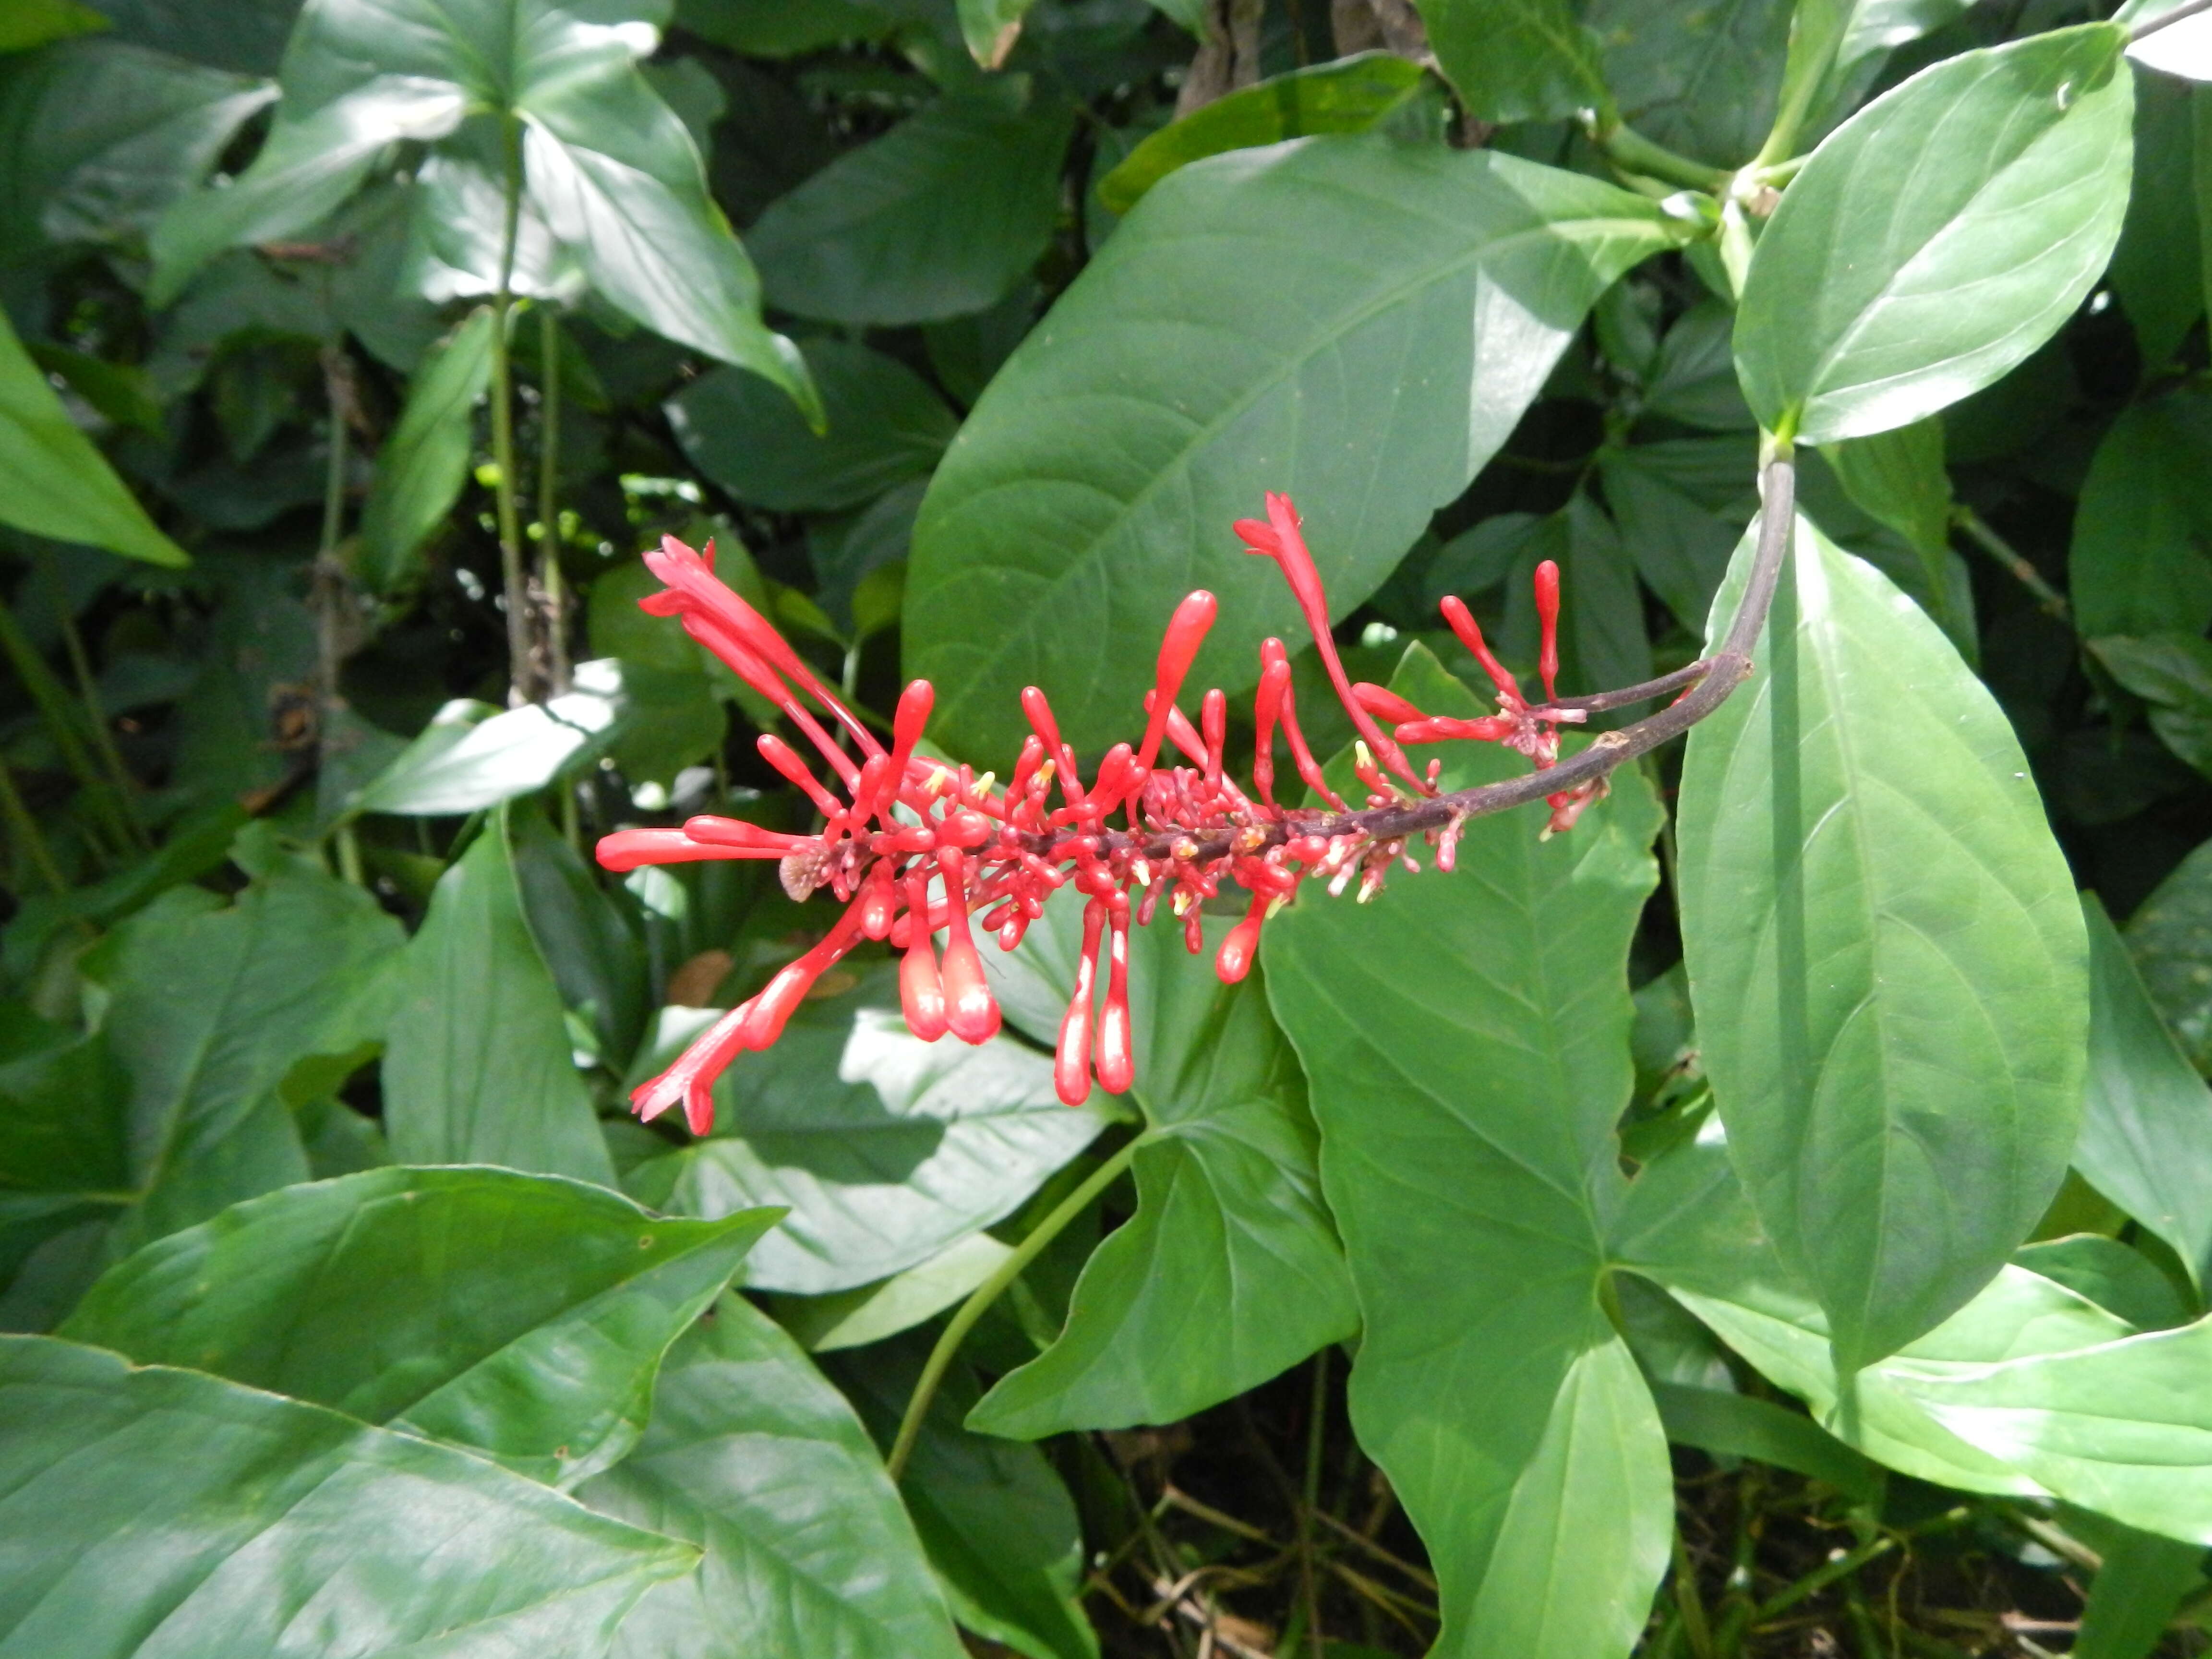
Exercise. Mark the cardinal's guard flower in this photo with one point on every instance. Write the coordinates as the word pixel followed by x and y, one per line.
pixel 914 849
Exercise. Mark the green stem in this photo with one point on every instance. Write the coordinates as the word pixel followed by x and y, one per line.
pixel 1802 83
pixel 1633 151
pixel 520 678
pixel 1316 1428
pixel 59 717
pixel 1978 531
pixel 88 689
pixel 26 830
pixel 1688 1603
pixel 548 478
pixel 1814 1583
pixel 940 1357
pixel 348 846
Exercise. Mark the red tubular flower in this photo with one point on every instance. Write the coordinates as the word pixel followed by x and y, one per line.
pixel 921 989
pixel 1279 539
pixel 1234 959
pixel 1117 1059
pixel 1187 631
pixel 1071 1059
pixel 905 822
pixel 971 1012
pixel 1548 616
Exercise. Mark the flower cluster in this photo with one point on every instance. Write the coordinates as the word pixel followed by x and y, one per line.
pixel 914 849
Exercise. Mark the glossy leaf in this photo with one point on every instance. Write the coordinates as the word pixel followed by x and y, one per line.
pixel 209 1007
pixel 2117 1277
pixel 536 1342
pixel 996 1521
pixel 884 1148
pixel 1885 953
pixel 159 1511
pixel 757 1459
pixel 1350 94
pixel 869 1313
pixel 1885 288
pixel 608 166
pixel 476 1066
pixel 59 485
pixel 2170 936
pixel 472 756
pixel 941 216
pixel 2141 561
pixel 103 137
pixel 422 465
pixel 1369 390
pixel 1731 1425
pixel 1515 60
pixel 1230 1237
pixel 1466 1036
pixel 2147 1126
pixel 885 426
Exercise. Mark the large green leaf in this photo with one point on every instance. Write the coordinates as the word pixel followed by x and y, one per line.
pixel 2139 1586
pixel 2158 269
pixel 536 1343
pixel 1704 80
pixel 1369 388
pixel 2170 936
pixel 58 484
pixel 1887 285
pixel 941 216
pixel 884 1148
pixel 472 756
pixel 608 166
pixel 209 1007
pixel 1350 94
pixel 159 1512
pixel 422 465
pixel 2141 561
pixel 1230 1237
pixel 996 1520
pixel 1467 1040
pixel 2147 1129
pixel 753 1456
pixel 1885 953
pixel 1515 60
pixel 477 1067
pixel 885 426
pixel 102 136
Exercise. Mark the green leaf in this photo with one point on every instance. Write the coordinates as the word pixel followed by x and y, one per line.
pixel 422 465
pixel 2140 1587
pixel 1703 80
pixel 991 26
pixel 2158 267
pixel 1515 60
pixel 595 956
pixel 869 1313
pixel 102 136
pixel 2173 673
pixel 2170 936
pixel 608 166
pixel 154 1510
pixel 1737 1426
pixel 476 1066
pixel 2147 1125
pixel 1885 953
pixel 754 1457
pixel 941 216
pixel 1229 1235
pixel 1885 288
pixel 472 756
pixel 246 36
pixel 2118 1278
pixel 1466 1036
pixel 885 1149
pixel 1680 547
pixel 58 484
pixel 34 22
pixel 1350 94
pixel 209 1007
pixel 2141 561
pixel 1898 478
pixel 997 1522
pixel 1370 389
pixel 885 426
pixel 537 1344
